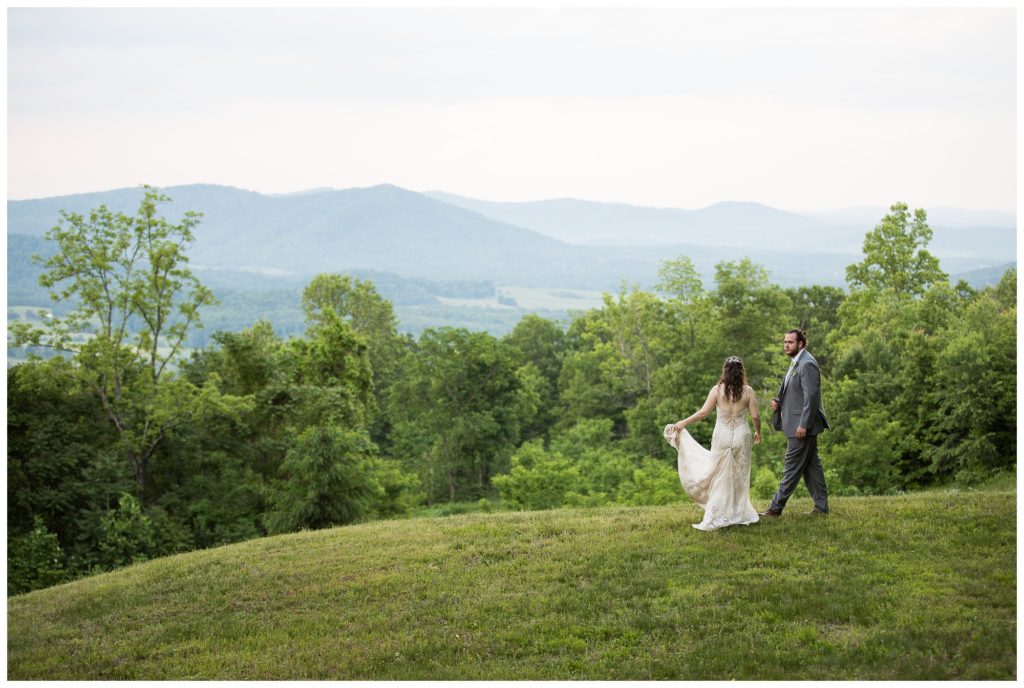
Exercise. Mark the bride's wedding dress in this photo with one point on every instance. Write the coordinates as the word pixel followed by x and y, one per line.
pixel 718 480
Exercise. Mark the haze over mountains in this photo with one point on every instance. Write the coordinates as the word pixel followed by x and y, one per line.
pixel 561 243
pixel 958 232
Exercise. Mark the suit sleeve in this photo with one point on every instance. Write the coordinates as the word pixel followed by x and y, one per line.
pixel 810 385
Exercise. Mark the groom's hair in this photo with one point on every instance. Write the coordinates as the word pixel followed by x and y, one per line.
pixel 801 337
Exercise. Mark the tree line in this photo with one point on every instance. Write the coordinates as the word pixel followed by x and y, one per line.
pixel 123 449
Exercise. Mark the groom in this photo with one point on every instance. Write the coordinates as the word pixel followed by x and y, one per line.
pixel 799 413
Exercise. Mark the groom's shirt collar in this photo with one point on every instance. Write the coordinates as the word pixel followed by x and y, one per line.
pixel 799 355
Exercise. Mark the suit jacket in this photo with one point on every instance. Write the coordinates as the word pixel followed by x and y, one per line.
pixel 800 400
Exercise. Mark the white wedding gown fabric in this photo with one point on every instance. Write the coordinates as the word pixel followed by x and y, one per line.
pixel 718 480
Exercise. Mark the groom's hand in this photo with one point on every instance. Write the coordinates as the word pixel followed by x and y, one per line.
pixel 801 432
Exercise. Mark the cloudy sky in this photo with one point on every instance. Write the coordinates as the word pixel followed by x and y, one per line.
pixel 799 109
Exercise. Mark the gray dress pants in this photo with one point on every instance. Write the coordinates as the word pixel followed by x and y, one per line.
pixel 802 461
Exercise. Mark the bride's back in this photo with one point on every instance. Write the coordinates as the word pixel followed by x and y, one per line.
pixel 733 409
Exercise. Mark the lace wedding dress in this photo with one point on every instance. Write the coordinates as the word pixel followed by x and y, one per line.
pixel 718 480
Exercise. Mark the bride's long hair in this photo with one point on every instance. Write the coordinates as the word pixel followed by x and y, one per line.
pixel 734 376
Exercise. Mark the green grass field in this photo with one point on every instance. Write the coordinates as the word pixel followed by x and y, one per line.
pixel 921 586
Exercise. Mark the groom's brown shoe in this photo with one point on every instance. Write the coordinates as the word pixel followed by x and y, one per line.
pixel 818 512
pixel 770 513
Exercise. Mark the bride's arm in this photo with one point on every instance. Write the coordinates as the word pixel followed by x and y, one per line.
pixel 704 410
pixel 754 414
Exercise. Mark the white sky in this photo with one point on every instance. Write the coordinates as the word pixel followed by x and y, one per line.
pixel 799 109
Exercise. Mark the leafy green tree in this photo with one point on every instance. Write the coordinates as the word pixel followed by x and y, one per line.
pixel 319 383
pixel 327 481
pixel 126 535
pixel 327 470
pixel 533 389
pixel 603 463
pixel 816 312
pixel 136 302
pixel 653 483
pixel 34 560
pixel 869 463
pixel 615 353
pixel 537 347
pixel 55 433
pixel 752 317
pixel 256 364
pixel 397 491
pixel 744 315
pixel 972 397
pixel 219 497
pixel 538 479
pixel 455 412
pixel 336 374
pixel 895 256
pixel 371 317
pixel 885 347
pixel 694 356
pixel 679 281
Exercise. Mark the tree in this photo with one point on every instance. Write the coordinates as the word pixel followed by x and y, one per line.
pixel 538 479
pixel 614 354
pixel 678 279
pixel 357 302
pixel 34 560
pixel 136 302
pixel 895 256
pixel 885 350
pixel 371 317
pixel 537 347
pixel 972 399
pixel 602 462
pixel 327 481
pixel 752 316
pixel 55 432
pixel 334 368
pixel 455 412
pixel 815 311
pixel 303 457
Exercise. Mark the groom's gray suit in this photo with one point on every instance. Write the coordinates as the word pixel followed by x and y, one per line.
pixel 800 406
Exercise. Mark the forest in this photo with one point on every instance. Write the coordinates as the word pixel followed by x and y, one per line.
pixel 124 444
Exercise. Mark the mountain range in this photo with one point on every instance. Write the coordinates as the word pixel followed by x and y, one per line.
pixel 564 243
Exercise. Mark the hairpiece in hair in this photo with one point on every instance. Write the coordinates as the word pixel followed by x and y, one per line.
pixel 734 359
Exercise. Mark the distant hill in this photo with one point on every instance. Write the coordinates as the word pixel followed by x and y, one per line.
pixel 393 230
pixel 585 222
pixel 868 216
pixel 443 237
pixel 983 277
pixel 963 239
pixel 383 228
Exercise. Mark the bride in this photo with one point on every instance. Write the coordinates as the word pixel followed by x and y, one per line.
pixel 719 480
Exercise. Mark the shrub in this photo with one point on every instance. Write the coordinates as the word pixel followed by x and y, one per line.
pixel 538 479
pixel 34 560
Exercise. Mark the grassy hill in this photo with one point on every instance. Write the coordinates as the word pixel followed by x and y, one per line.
pixel 921 586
